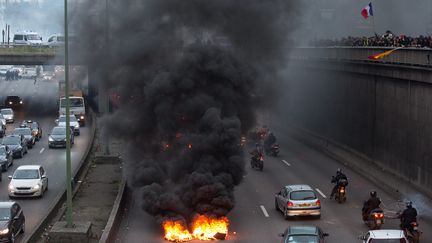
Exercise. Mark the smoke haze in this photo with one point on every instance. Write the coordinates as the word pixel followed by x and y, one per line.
pixel 188 74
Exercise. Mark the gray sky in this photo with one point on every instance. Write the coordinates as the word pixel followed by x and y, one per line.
pixel 336 18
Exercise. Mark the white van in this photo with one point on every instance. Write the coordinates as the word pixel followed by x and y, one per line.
pixel 27 38
pixel 56 40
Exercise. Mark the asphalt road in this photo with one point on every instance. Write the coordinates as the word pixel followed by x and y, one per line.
pixel 40 102
pixel 254 218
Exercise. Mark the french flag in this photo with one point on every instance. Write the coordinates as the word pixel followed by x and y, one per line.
pixel 367 11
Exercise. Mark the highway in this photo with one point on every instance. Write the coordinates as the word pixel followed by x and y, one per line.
pixel 254 218
pixel 40 102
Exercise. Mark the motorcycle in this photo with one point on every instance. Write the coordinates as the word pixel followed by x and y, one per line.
pixel 341 191
pixel 257 163
pixel 274 150
pixel 412 233
pixel 375 219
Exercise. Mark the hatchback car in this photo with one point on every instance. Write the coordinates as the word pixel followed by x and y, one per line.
pixel 57 137
pixel 28 181
pixel 8 115
pixel 298 200
pixel 74 123
pixel 384 236
pixel 310 234
pixel 13 101
pixel 12 221
pixel 28 135
pixel 17 143
pixel 6 157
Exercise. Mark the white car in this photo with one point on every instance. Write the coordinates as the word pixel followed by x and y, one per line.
pixel 8 114
pixel 74 123
pixel 28 181
pixel 298 200
pixel 384 236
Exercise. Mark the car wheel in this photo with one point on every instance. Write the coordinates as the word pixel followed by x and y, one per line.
pixel 21 154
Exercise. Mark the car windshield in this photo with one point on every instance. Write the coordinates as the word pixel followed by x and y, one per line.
pixel 11 140
pixel 4 214
pixel 6 112
pixel 302 239
pixel 59 131
pixel 302 195
pixel 388 241
pixel 26 174
pixel 63 119
pixel 73 102
pixel 33 37
pixel 22 131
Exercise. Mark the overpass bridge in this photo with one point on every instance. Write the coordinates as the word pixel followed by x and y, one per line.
pixel 379 109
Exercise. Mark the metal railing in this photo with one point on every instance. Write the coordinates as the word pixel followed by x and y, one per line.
pixel 421 57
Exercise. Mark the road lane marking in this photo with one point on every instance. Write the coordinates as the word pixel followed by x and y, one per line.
pixel 264 211
pixel 286 162
pixel 320 192
pixel 41 151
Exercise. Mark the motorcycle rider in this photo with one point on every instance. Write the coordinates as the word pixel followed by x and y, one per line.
pixel 408 215
pixel 372 203
pixel 257 152
pixel 336 179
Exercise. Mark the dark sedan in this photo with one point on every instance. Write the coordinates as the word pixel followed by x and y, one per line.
pixel 57 137
pixel 6 157
pixel 310 234
pixel 28 135
pixel 17 143
pixel 12 221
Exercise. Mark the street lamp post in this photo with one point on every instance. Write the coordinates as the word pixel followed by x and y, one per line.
pixel 68 130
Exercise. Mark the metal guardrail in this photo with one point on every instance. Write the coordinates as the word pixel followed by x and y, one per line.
pixel 420 57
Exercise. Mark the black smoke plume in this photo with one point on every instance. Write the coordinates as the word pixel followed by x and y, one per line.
pixel 186 75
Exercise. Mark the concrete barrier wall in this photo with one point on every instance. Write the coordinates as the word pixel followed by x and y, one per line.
pixel 388 120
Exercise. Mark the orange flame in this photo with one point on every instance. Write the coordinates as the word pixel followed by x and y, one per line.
pixel 203 228
pixel 176 231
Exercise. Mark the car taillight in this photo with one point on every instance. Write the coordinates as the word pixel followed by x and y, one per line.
pixel 378 215
pixel 290 204
pixel 318 203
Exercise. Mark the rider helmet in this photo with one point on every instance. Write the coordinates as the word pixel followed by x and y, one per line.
pixel 373 193
pixel 338 171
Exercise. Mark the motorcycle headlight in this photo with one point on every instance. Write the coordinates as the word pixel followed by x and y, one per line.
pixel 50 139
pixel 81 117
pixel 36 187
pixel 4 231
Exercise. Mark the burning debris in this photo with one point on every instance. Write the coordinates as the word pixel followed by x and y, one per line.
pixel 186 97
pixel 203 228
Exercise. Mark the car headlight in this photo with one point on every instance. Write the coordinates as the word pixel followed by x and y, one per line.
pixel 17 148
pixel 36 187
pixel 50 139
pixel 21 102
pixel 11 187
pixel 81 117
pixel 76 126
pixel 10 102
pixel 4 231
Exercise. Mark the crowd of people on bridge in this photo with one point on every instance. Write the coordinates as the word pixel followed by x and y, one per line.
pixel 387 40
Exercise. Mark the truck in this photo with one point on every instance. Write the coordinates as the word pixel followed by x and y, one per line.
pixel 76 103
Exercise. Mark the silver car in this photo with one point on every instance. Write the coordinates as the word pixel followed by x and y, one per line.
pixel 74 124
pixel 298 200
pixel 8 114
